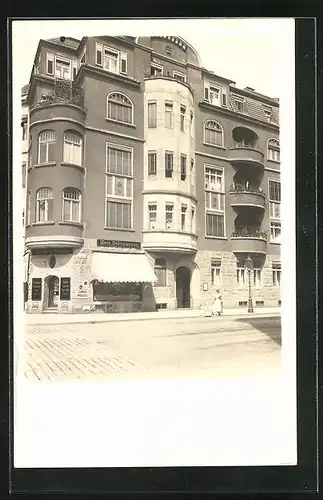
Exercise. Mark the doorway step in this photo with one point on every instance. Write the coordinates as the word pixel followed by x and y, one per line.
pixel 50 310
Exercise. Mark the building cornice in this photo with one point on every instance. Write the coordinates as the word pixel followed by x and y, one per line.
pixel 257 97
pixel 239 116
pixel 211 75
pixel 176 192
pixel 107 74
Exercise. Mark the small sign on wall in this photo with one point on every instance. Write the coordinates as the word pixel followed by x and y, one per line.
pixel 205 286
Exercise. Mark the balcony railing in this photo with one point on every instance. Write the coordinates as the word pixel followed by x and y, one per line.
pixel 246 188
pixel 249 233
pixel 65 92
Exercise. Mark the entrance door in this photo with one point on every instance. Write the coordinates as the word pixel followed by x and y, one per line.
pixel 51 297
pixel 183 287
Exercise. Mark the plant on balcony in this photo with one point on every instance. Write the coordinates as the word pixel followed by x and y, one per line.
pixel 245 188
pixel 65 92
pixel 249 233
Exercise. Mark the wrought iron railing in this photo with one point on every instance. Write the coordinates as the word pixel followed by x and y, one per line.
pixel 245 188
pixel 249 233
pixel 65 92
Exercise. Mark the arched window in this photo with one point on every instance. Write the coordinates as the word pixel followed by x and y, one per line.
pixel 46 146
pixel 160 271
pixel 120 108
pixel 273 150
pixel 72 150
pixel 71 205
pixel 213 133
pixel 44 205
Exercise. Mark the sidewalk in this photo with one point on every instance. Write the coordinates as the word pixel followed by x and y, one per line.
pixel 54 319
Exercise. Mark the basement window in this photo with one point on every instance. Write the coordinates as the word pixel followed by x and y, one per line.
pixel 243 303
pixel 259 303
pixel 161 306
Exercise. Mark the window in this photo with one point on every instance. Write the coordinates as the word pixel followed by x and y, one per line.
pixel 44 205
pixel 183 167
pixel 215 95
pixel 274 210
pixel 215 225
pixel 62 68
pixel 119 187
pixel 181 77
pixel 275 231
pixel 160 272
pixel 120 108
pixel 152 114
pixel 99 49
pixel 161 305
pixel 152 163
pixel 214 180
pixel 71 205
pixel 193 219
pixel 182 118
pixel 124 63
pixel 224 99
pixel 23 173
pixel 156 69
pixel 276 273
pixel 169 157
pixel 215 272
pixel 24 126
pixel 257 277
pixel 72 150
pixel 74 69
pixel 169 215
pixel 23 218
pixel 50 63
pixel 82 61
pixel 152 215
pixel 214 201
pixel 28 221
pixel 111 60
pixel 191 123
pixel 183 217
pixel 273 150
pixel 241 274
pixel 267 113
pixel 168 114
pixel 239 105
pixel 46 145
pixel 213 133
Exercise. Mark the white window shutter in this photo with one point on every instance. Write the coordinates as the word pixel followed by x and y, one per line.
pixel 49 63
pixel 75 69
pixel 206 92
pixel 99 55
pixel 224 98
pixel 124 63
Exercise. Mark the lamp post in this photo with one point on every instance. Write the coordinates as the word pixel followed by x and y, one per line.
pixel 249 268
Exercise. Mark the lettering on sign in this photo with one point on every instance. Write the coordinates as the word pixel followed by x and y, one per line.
pixel 36 289
pixel 65 289
pixel 119 244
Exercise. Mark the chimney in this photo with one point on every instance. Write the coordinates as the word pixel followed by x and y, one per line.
pixel 249 89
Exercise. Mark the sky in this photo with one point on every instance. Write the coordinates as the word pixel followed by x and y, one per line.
pixel 247 51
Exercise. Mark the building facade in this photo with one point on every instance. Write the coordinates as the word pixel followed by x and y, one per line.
pixel 150 180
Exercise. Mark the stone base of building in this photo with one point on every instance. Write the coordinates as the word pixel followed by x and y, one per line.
pixel 185 281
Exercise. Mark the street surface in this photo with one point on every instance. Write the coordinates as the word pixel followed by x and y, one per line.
pixel 216 347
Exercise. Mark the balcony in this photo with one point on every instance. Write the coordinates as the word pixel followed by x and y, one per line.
pixel 247 241
pixel 246 196
pixel 59 241
pixel 246 154
pixel 65 93
pixel 169 241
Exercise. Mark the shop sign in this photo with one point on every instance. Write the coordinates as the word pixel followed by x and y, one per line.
pixel 65 289
pixel 119 244
pixel 36 286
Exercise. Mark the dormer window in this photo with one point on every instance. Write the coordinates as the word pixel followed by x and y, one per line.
pixel 61 67
pixel 215 95
pixel 181 77
pixel 239 104
pixel 268 113
pixel 156 69
pixel 111 59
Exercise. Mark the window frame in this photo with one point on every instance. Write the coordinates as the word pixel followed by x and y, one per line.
pixel 239 100
pixel 222 133
pixel 154 121
pixel 130 105
pixel 160 266
pixel 171 155
pixel 221 196
pixel 180 74
pixel 112 198
pixel 167 211
pixel 183 167
pixel 273 148
pixel 182 116
pixel 24 126
pixel 152 223
pixel 214 267
pixel 158 67
pixel 45 201
pixel 74 145
pixel 66 60
pixel 274 221
pixel 276 272
pixel 170 113
pixel 71 201
pixel 150 172
pixel 183 222
pixel 53 142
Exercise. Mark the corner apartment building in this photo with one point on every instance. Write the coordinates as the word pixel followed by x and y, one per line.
pixel 150 180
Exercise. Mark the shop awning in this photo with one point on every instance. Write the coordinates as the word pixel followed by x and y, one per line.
pixel 121 267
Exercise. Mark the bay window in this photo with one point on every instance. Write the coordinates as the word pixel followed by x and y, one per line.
pixel 44 205
pixel 72 148
pixel 46 146
pixel 71 205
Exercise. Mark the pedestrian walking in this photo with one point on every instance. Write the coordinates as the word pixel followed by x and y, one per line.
pixel 217 304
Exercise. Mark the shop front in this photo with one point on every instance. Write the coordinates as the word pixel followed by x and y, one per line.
pixel 120 282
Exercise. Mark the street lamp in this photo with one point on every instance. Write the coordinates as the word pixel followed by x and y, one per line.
pixel 249 267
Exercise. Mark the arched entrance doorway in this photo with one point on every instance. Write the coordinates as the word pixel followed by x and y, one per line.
pixel 51 292
pixel 183 287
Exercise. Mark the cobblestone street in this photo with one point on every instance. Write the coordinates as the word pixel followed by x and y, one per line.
pixel 207 347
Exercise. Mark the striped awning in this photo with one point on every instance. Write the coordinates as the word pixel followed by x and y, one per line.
pixel 122 267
